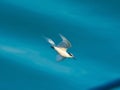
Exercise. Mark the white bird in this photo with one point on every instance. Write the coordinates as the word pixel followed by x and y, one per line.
pixel 61 48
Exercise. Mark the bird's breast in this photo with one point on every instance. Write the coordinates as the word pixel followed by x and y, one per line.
pixel 61 52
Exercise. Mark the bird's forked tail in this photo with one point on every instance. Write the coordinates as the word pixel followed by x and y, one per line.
pixel 52 43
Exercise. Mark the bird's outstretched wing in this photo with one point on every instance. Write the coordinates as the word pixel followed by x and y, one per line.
pixel 64 43
pixel 59 58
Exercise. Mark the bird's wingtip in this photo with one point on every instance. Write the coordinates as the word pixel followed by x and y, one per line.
pixel 60 35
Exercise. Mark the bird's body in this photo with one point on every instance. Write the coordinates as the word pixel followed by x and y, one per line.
pixel 61 48
pixel 62 52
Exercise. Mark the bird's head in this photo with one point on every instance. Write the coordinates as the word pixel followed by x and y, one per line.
pixel 71 55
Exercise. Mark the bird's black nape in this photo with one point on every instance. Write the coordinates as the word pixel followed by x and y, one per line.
pixel 70 54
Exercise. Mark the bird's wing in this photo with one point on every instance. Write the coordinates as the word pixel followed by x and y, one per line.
pixel 64 43
pixel 59 58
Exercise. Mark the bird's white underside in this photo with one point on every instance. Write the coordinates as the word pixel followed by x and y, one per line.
pixel 61 48
pixel 62 52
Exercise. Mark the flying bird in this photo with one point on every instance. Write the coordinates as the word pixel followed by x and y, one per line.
pixel 61 48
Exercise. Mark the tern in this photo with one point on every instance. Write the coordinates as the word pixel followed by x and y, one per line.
pixel 61 48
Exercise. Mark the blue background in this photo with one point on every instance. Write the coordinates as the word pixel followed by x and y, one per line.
pixel 28 63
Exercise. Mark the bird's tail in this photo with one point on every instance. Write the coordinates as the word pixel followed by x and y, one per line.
pixel 51 42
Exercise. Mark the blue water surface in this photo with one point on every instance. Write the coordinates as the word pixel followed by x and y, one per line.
pixel 28 63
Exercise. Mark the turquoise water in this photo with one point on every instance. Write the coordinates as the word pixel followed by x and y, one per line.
pixel 28 63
